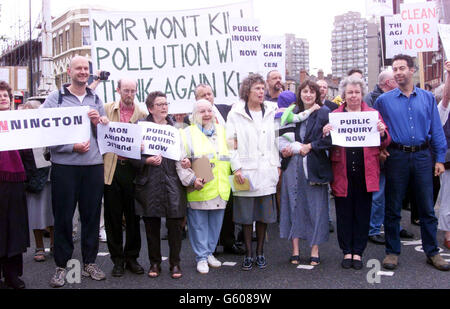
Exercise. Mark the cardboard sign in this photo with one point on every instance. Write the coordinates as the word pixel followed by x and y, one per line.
pixel 123 139
pixel 169 51
pixel 161 140
pixel 379 7
pixel 355 129
pixel 419 26
pixel 444 33
pixel 394 37
pixel 35 128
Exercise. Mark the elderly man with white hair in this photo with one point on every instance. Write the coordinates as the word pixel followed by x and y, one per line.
pixel 206 199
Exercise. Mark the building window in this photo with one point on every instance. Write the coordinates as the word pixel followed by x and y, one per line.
pixel 67 40
pixel 86 36
pixel 61 43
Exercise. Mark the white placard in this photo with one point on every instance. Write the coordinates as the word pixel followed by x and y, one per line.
pixel 394 38
pixel 419 26
pixel 444 33
pixel 247 40
pixel 123 139
pixel 34 128
pixel 355 129
pixel 169 51
pixel 379 7
pixel 273 55
pixel 161 140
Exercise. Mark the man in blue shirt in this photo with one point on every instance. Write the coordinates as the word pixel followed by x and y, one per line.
pixel 418 140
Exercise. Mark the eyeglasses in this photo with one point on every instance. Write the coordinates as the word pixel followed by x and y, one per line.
pixel 162 104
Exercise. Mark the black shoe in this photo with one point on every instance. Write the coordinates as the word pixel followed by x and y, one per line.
pixel 134 267
pixel 15 283
pixel 415 222
pixel 346 263
pixel 118 270
pixel 234 249
pixel 377 239
pixel 331 227
pixel 357 264
pixel 405 234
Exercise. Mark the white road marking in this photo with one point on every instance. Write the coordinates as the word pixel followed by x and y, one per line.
pixel 309 267
pixel 229 263
pixel 412 242
pixel 103 253
pixel 385 273
pixel 164 258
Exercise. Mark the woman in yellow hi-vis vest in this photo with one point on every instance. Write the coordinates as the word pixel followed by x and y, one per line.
pixel 206 199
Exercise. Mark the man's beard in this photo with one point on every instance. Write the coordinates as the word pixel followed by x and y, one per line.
pixel 278 86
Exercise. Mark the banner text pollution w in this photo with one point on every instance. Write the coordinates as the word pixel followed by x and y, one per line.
pixel 169 51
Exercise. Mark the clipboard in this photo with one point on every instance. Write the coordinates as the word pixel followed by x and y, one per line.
pixel 202 169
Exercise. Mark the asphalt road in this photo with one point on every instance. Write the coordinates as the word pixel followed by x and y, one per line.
pixel 412 273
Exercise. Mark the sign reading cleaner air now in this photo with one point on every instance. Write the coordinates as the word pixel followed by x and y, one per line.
pixel 169 51
pixel 34 128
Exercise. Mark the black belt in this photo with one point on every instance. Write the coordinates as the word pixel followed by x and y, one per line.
pixel 405 148
pixel 122 162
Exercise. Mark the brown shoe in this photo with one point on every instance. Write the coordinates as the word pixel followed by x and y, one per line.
pixel 438 262
pixel 390 261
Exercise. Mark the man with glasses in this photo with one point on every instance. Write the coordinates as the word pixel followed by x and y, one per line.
pixel 119 188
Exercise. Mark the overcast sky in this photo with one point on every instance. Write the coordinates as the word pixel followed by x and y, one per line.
pixel 310 19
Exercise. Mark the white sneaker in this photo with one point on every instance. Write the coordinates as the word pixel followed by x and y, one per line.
pixel 213 262
pixel 102 235
pixel 202 267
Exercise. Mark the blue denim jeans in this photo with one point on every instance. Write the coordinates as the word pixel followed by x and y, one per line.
pixel 401 167
pixel 204 230
pixel 378 204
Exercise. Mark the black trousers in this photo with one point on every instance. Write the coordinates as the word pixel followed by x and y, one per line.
pixel 227 233
pixel 11 267
pixel 71 185
pixel 119 202
pixel 174 230
pixel 353 217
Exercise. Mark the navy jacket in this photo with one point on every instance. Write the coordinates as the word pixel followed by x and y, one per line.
pixel 319 165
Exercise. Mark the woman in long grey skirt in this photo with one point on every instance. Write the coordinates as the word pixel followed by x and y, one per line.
pixel 304 189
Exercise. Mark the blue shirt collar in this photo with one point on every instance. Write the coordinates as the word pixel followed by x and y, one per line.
pixel 399 92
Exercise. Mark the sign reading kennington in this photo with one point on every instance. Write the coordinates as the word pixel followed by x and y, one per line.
pixel 43 127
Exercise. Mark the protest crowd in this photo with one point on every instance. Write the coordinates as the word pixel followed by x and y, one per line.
pixel 272 156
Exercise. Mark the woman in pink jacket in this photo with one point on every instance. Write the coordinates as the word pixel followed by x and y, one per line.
pixel 356 172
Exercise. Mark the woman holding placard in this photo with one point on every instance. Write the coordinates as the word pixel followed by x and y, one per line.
pixel 205 141
pixel 255 164
pixel 356 172
pixel 14 233
pixel 304 186
pixel 159 193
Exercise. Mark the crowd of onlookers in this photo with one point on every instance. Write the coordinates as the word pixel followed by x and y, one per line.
pixel 267 158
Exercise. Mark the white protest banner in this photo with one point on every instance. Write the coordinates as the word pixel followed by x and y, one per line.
pixel 246 38
pixel 123 139
pixel 419 26
pixel 444 33
pixel 161 140
pixel 355 129
pixel 394 38
pixel 34 128
pixel 273 55
pixel 379 7
pixel 169 51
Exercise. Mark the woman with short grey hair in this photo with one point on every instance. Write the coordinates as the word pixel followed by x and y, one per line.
pixel 352 80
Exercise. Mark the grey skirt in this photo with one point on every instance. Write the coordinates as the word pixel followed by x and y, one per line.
pixel 246 210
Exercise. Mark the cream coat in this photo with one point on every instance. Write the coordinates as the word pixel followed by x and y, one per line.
pixel 257 152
